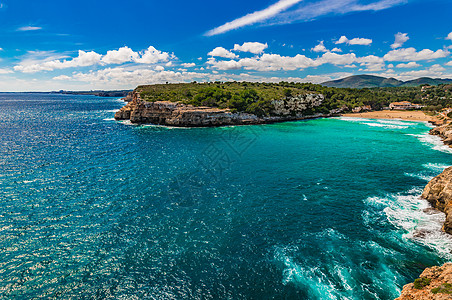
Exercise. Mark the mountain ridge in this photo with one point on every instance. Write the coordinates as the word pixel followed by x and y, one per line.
pixel 372 81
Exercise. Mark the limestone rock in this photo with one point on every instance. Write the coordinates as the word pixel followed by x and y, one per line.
pixel 178 114
pixel 434 283
pixel 439 193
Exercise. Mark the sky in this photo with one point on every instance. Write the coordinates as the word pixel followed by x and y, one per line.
pixel 52 45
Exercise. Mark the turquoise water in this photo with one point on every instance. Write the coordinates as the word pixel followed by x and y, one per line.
pixel 92 208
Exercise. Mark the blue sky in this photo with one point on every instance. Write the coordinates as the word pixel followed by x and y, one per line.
pixel 83 45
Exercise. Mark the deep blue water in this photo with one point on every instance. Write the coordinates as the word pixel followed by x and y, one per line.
pixel 91 208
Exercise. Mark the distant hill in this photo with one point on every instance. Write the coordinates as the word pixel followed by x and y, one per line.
pixel 370 81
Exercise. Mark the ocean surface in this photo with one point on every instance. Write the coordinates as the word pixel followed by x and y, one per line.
pixel 91 208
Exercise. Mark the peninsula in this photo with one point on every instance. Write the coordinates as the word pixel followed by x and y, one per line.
pixel 244 103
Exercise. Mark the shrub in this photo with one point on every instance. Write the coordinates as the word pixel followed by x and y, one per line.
pixel 422 282
pixel 445 288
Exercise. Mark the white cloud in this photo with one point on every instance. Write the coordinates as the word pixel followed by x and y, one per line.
pixel 267 62
pixel 400 39
pixel 122 55
pixel 410 54
pixel 313 10
pixel 255 17
pixel 252 47
pixel 342 40
pixel 336 50
pixel 435 71
pixel 279 12
pixel 222 52
pixel 62 77
pixel 6 71
pixel 449 64
pixel 159 68
pixel 276 62
pixel 189 65
pixel 85 59
pixel 356 41
pixel 29 28
pixel 449 36
pixel 152 56
pixel 408 65
pixel 320 48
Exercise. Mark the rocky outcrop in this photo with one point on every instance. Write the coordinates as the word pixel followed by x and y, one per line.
pixel 439 193
pixel 168 113
pixel 443 131
pixel 435 283
pixel 295 105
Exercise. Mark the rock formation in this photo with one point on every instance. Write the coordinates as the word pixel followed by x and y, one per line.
pixel 169 113
pixel 435 283
pixel 439 193
pixel 443 131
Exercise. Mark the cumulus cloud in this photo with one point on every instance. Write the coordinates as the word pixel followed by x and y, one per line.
pixel 252 47
pixel 356 41
pixel 85 59
pixel 449 36
pixel 254 17
pixel 400 39
pixel 152 56
pixel 189 65
pixel 276 62
pixel 449 64
pixel 408 65
pixel 222 52
pixel 29 28
pixel 320 48
pixel 435 71
pixel 122 55
pixel 410 54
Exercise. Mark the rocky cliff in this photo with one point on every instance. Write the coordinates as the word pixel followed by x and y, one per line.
pixel 168 113
pixel 434 283
pixel 443 131
pixel 439 193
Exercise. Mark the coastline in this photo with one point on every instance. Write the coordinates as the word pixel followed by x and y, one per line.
pixel 412 115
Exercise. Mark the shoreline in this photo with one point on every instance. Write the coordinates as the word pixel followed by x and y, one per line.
pixel 406 115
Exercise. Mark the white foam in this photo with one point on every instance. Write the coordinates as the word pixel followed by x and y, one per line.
pixel 420 176
pixel 383 123
pixel 433 141
pixel 415 216
pixel 109 119
pixel 436 167
pixel 387 126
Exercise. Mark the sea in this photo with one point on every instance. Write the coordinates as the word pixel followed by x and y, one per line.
pixel 93 208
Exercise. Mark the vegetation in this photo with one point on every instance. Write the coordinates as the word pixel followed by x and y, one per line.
pixel 422 282
pixel 255 97
pixel 445 288
pixel 370 81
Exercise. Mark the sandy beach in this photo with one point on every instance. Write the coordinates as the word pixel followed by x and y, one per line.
pixel 392 114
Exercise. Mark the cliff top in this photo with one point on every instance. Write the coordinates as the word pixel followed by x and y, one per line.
pixel 187 92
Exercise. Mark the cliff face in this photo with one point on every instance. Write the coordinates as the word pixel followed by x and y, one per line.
pixel 434 283
pixel 445 132
pixel 439 193
pixel 177 114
